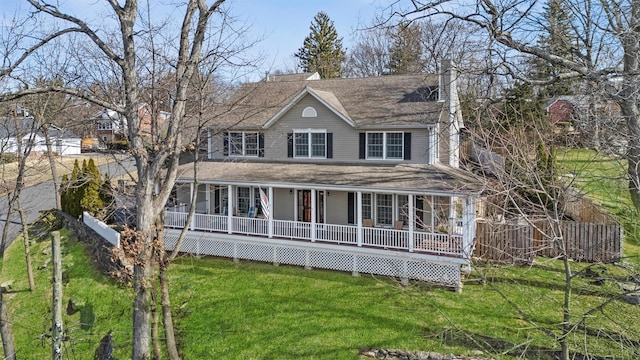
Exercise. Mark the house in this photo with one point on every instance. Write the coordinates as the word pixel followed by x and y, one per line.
pixel 111 126
pixel 63 141
pixel 356 175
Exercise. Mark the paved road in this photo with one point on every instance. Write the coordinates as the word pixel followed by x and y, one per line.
pixel 41 197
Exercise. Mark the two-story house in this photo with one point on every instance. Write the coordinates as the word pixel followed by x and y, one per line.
pixel 356 175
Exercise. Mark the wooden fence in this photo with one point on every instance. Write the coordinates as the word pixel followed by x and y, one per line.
pixel 513 243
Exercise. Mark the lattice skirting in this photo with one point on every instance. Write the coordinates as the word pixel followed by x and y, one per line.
pixel 323 256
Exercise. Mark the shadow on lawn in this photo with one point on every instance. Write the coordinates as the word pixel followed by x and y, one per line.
pixel 490 345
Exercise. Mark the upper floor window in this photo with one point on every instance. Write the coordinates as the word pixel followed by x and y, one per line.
pixel 309 112
pixel 385 145
pixel 104 126
pixel 310 143
pixel 240 143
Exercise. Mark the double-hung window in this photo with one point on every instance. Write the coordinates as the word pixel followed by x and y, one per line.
pixel 385 145
pixel 243 144
pixel 310 143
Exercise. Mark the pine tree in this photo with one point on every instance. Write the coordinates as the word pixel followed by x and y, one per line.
pixel 406 51
pixel 74 191
pixel 64 193
pixel 558 38
pixel 322 50
pixel 106 195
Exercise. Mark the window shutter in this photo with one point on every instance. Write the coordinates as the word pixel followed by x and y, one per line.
pixel 363 144
pixel 329 145
pixel 290 145
pixel 407 146
pixel 261 144
pixel 225 151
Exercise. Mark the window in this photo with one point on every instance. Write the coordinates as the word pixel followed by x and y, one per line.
pixel 243 144
pixel 104 126
pixel 384 209
pixel 309 112
pixel 310 143
pixel 244 200
pixel 366 207
pixel 403 208
pixel 385 145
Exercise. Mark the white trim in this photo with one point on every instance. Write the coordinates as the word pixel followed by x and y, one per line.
pixel 309 112
pixel 384 145
pixel 309 144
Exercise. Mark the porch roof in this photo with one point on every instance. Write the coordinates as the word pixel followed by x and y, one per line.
pixel 409 178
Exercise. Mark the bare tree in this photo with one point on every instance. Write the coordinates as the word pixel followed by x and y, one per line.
pixel 608 36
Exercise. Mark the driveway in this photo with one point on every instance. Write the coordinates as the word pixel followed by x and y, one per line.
pixel 41 197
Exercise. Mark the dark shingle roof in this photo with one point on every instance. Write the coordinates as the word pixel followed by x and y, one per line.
pixel 402 100
pixel 405 177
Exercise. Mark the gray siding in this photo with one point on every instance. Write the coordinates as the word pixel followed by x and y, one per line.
pixel 282 204
pixel 345 138
pixel 336 208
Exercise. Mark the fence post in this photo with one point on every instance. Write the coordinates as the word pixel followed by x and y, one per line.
pixel 56 310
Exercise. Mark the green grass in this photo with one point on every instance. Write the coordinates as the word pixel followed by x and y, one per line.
pixel 246 310
pixel 604 179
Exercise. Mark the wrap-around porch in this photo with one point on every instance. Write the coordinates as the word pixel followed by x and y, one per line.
pixel 421 223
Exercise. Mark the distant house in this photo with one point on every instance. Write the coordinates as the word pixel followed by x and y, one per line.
pixel 111 126
pixel 358 174
pixel 63 141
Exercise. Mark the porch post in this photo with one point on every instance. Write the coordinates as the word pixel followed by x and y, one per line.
pixel 412 219
pixel 468 226
pixel 207 189
pixel 230 209
pixel 359 216
pixel 270 210
pixel 313 214
pixel 192 224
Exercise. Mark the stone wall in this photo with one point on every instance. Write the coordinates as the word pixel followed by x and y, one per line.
pixel 108 259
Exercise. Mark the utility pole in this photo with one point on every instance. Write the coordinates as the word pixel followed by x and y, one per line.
pixel 56 318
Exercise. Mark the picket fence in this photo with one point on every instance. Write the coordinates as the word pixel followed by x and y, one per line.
pixel 521 243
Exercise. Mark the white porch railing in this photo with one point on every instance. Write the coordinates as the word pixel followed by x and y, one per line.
pixel 443 244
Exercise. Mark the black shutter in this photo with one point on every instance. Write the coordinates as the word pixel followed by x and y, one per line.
pixel 407 146
pixel 290 145
pixel 261 144
pixel 363 144
pixel 329 145
pixel 351 208
pixel 225 151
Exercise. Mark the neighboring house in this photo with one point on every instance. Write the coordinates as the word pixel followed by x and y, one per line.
pixel 111 126
pixel 356 175
pixel 63 142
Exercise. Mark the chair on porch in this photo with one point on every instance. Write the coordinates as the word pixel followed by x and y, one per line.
pixel 398 225
pixel 367 222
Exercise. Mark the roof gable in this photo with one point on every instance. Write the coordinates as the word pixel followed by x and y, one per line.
pixel 326 98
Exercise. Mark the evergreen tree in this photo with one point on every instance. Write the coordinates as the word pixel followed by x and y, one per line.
pixel 559 39
pixel 64 193
pixel 106 195
pixel 406 50
pixel 322 50
pixel 522 108
pixel 90 200
pixel 74 191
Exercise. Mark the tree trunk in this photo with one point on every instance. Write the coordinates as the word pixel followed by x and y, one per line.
pixel 27 248
pixel 172 347
pixel 5 330
pixel 5 230
pixel 155 318
pixel 52 165
pixel 141 312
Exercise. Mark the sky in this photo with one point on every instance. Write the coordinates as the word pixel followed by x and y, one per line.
pixel 281 24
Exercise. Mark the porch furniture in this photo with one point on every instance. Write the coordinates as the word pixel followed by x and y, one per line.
pixel 367 222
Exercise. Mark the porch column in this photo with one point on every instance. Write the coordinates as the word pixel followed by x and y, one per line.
pixel 270 211
pixel 313 214
pixel 230 209
pixel 207 192
pixel 412 220
pixel 468 226
pixel 193 218
pixel 359 216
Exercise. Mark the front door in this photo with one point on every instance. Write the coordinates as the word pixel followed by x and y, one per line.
pixel 304 206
